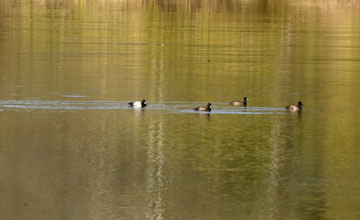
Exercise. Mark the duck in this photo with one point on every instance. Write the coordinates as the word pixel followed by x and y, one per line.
pixel 295 108
pixel 240 103
pixel 138 104
pixel 204 108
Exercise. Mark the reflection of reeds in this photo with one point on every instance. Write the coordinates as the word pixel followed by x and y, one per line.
pixel 190 5
pixel 231 5
pixel 155 181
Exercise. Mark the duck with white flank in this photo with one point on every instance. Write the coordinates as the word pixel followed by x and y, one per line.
pixel 295 108
pixel 138 104
pixel 204 108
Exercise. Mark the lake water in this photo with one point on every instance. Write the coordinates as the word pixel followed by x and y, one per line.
pixel 71 148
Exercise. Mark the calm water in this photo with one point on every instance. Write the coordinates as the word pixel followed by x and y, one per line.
pixel 72 149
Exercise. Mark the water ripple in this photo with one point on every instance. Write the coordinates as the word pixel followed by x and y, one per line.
pixel 168 107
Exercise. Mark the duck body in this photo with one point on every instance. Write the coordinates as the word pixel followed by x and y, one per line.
pixel 204 108
pixel 138 104
pixel 240 103
pixel 295 108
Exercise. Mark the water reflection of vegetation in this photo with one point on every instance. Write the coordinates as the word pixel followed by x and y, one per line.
pixel 271 45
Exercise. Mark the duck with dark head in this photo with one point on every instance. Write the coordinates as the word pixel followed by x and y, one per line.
pixel 295 108
pixel 138 104
pixel 204 108
pixel 240 103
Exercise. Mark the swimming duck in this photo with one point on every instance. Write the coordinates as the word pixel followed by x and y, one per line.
pixel 295 108
pixel 240 103
pixel 204 108
pixel 138 104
